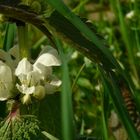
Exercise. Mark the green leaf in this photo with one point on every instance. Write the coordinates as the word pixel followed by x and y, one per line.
pixel 86 32
pixel 49 136
pixel 9 36
pixel 20 128
pixel 49 115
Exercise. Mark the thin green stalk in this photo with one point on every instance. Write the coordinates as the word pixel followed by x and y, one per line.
pixel 126 39
pixel 78 8
pixel 23 40
pixel 51 137
pixel 136 10
pixel 104 123
pixel 137 40
pixel 105 107
pixel 77 76
pixel 39 42
pixel 82 127
pixel 68 127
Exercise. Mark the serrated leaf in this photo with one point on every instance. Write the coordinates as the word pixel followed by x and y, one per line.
pixel 20 128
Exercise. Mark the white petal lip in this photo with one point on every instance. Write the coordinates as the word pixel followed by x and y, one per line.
pixel 24 67
pixel 53 85
pixel 25 89
pixel 56 82
pixel 3 98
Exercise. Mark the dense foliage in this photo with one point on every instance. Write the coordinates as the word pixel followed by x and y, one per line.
pixel 99 48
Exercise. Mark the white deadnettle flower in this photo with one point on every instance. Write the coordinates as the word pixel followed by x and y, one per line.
pixel 6 81
pixel 37 79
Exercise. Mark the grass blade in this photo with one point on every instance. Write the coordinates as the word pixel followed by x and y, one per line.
pixel 68 130
pixel 63 9
pixel 119 105
pixel 9 36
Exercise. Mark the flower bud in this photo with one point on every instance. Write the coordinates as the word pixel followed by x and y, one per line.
pixel 26 99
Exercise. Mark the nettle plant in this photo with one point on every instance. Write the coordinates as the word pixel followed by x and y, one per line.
pixel 25 82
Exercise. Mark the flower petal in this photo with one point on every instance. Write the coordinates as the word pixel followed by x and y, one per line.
pixel 4 93
pixel 26 99
pixel 25 89
pixel 50 58
pixel 24 67
pixel 33 78
pixel 6 82
pixel 43 70
pixel 5 73
pixel 50 89
pixel 55 81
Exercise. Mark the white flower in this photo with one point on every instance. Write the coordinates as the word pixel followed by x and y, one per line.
pixel 37 79
pixel 130 15
pixel 6 81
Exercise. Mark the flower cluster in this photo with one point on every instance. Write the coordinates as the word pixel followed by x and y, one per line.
pixel 25 78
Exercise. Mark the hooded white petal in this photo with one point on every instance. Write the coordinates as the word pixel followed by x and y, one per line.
pixel 49 58
pixel 24 67
pixel 6 84
pixel 55 81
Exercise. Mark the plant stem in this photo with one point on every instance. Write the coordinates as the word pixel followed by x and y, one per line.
pixel 23 41
pixel 68 125
pixel 77 76
pixel 127 40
